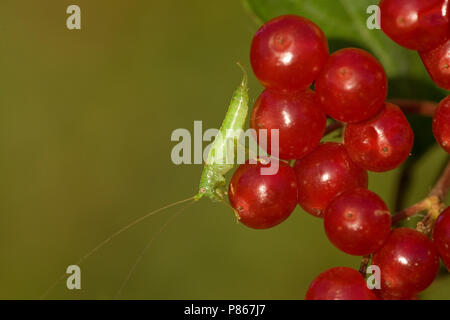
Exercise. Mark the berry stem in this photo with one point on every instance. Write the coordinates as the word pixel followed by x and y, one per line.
pixel 438 193
pixel 404 181
pixel 335 125
pixel 364 264
pixel 410 211
pixel 433 203
pixel 424 108
pixel 442 186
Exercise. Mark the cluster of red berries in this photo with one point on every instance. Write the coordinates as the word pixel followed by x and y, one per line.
pixel 329 180
pixel 423 26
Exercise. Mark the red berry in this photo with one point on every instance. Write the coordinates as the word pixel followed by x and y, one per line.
pixel 408 263
pixel 288 53
pixel 441 236
pixel 325 173
pixel 352 86
pixel 292 115
pixel 441 124
pixel 415 24
pixel 381 143
pixel 386 296
pixel 339 283
pixel 263 201
pixel 437 62
pixel 357 222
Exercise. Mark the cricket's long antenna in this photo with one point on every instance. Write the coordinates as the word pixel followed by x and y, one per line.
pixel 107 240
pixel 148 245
pixel 245 77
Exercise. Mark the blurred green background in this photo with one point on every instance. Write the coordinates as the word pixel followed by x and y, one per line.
pixel 85 124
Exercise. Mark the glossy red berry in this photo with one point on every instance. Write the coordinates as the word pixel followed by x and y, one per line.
pixel 441 124
pixel 437 62
pixel 291 114
pixel 288 52
pixel 415 24
pixel 352 86
pixel 263 201
pixel 325 173
pixel 386 296
pixel 408 263
pixel 357 222
pixel 381 143
pixel 441 236
pixel 339 283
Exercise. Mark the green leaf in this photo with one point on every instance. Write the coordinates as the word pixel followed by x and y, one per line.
pixel 345 24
